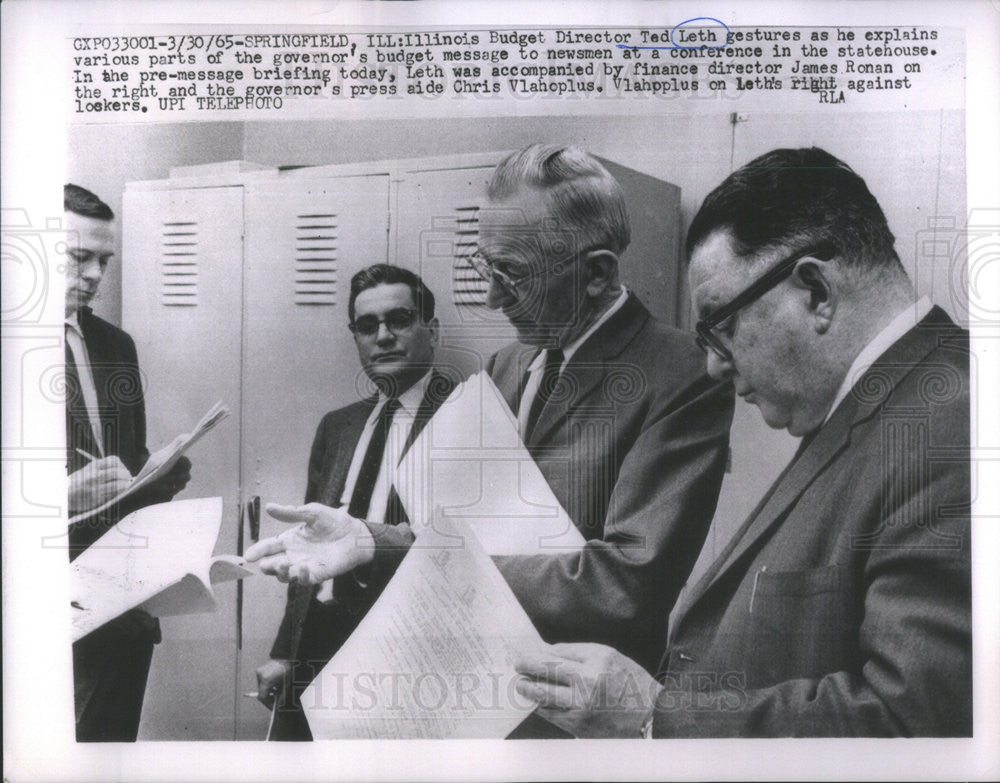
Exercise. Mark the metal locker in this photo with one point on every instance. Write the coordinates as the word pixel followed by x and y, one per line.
pixel 182 290
pixel 304 241
pixel 436 230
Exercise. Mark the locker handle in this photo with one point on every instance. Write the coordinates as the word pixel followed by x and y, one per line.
pixel 253 513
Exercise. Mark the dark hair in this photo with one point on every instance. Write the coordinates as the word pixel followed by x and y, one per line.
pixel 582 194
pixel 797 197
pixel 82 202
pixel 384 274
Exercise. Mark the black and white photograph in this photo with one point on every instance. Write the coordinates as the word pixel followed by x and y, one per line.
pixel 418 382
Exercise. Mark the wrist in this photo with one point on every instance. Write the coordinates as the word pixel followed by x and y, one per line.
pixel 364 544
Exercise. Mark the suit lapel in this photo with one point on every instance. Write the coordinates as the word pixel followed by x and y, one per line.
pixel 865 399
pixel 349 435
pixel 439 387
pixel 587 369
pixel 510 382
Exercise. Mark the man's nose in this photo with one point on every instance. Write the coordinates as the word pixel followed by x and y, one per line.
pixel 384 335
pixel 719 368
pixel 497 295
pixel 91 270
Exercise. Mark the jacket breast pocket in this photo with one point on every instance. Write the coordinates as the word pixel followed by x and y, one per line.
pixel 803 623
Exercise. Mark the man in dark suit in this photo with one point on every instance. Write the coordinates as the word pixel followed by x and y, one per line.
pixel 842 606
pixel 616 408
pixel 105 447
pixel 352 469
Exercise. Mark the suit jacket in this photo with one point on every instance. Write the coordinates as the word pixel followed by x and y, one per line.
pixel 110 665
pixel 842 606
pixel 115 367
pixel 329 462
pixel 633 442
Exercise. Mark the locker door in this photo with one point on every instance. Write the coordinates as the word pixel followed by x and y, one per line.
pixel 304 241
pixel 437 229
pixel 182 267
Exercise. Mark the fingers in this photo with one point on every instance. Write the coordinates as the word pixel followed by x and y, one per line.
pixel 269 546
pixel 181 468
pixel 543 666
pixel 579 651
pixel 271 679
pixel 292 514
pixel 558 697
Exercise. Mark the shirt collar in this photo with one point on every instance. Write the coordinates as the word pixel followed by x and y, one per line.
pixel 574 346
pixel 905 320
pixel 73 322
pixel 410 399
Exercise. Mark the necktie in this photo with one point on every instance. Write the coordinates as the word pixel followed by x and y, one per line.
pixel 550 376
pixel 372 462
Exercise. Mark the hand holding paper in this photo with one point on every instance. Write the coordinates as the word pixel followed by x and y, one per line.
pixel 163 489
pixel 162 472
pixel 96 483
pixel 326 542
pixel 589 690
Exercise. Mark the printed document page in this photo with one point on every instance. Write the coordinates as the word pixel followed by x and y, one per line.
pixel 159 557
pixel 433 658
pixel 469 461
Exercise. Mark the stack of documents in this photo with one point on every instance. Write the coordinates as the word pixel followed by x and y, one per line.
pixel 159 559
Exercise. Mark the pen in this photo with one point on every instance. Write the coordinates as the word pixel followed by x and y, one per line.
pixel 87 454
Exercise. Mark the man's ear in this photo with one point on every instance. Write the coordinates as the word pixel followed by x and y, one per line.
pixel 600 270
pixel 815 277
pixel 434 326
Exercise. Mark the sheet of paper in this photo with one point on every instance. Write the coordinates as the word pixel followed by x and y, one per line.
pixel 161 461
pixel 433 658
pixel 469 461
pixel 145 554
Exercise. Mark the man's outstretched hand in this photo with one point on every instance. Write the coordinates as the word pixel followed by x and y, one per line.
pixel 325 542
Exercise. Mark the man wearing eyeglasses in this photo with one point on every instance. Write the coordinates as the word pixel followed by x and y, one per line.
pixel 350 481
pixel 615 407
pixel 842 606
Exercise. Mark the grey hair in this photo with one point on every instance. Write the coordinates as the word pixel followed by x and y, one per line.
pixel 584 197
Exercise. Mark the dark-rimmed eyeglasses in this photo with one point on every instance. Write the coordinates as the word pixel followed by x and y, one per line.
pixel 708 328
pixel 397 321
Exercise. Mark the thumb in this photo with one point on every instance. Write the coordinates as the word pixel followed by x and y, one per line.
pixel 291 514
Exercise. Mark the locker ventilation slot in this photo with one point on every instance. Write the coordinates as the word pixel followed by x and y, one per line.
pixel 179 264
pixel 468 289
pixel 316 259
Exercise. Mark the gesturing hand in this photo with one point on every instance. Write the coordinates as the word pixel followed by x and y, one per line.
pixel 589 690
pixel 325 542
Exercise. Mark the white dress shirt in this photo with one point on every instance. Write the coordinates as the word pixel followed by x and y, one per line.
pixel 74 339
pixel 536 367
pixel 399 431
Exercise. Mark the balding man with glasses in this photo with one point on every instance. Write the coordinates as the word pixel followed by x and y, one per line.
pixel 842 606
